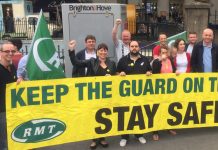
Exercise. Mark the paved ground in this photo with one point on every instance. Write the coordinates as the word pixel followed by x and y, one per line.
pixel 187 139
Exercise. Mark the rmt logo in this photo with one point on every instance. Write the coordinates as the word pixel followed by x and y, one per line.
pixel 38 130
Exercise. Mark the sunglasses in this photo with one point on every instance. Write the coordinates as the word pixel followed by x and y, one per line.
pixel 9 51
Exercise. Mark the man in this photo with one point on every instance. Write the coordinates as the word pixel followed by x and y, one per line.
pixel 192 39
pixel 163 41
pixel 87 53
pixel 122 46
pixel 7 75
pixel 133 63
pixel 205 54
pixel 18 55
pixel 21 69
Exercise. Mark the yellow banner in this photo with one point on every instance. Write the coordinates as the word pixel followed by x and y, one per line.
pixel 43 113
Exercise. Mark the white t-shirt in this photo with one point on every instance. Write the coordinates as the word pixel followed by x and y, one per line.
pixel 181 62
pixel 189 49
pixel 88 56
pixel 121 49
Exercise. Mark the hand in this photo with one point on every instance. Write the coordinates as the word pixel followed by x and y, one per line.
pixel 72 45
pixel 159 58
pixel 148 73
pixel 122 73
pixel 19 80
pixel 118 21
pixel 178 73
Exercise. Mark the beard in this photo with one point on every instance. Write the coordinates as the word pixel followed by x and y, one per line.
pixel 134 53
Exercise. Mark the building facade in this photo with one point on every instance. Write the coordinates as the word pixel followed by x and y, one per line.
pixel 168 8
pixel 15 8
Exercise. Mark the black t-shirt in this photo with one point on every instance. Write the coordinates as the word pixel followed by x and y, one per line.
pixel 140 66
pixel 102 71
pixel 6 76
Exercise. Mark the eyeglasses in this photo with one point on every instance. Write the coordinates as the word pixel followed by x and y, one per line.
pixel 9 51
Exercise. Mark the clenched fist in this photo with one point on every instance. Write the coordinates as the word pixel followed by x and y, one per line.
pixel 118 21
pixel 72 45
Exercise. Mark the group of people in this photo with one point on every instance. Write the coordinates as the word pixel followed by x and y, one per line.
pixel 177 58
pixel 101 65
pixel 192 56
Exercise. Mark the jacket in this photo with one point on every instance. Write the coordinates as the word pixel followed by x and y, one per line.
pixel 79 71
pixel 156 66
pixel 92 64
pixel 197 58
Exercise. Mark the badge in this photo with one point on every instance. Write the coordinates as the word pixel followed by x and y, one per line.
pixel 132 64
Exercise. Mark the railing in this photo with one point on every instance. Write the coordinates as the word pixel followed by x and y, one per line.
pixel 213 19
pixel 24 29
pixel 150 31
pixel 213 22
pixel 148 26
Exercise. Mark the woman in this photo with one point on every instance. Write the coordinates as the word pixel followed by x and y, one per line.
pixel 182 59
pixel 100 66
pixel 164 64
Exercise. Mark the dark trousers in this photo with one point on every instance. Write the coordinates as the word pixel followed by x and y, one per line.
pixel 156 132
pixel 98 139
pixel 126 136
pixel 3 131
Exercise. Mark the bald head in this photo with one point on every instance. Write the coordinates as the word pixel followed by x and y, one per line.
pixel 126 37
pixel 207 36
pixel 207 30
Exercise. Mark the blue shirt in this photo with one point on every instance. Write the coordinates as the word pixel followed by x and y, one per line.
pixel 21 70
pixel 207 58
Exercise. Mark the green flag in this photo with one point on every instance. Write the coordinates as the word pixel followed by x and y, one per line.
pixel 43 61
pixel 171 39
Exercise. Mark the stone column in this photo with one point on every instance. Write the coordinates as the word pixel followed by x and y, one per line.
pixel 196 17
pixel 163 8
